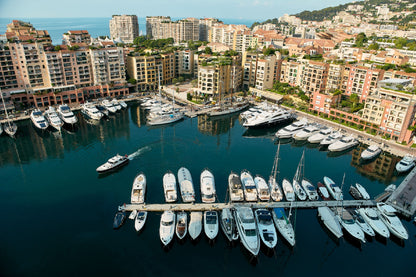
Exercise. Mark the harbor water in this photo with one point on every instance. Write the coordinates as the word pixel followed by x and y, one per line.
pixel 57 213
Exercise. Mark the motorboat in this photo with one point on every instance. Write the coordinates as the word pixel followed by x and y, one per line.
pixel 249 186
pixel 300 193
pixel 38 119
pixel 320 136
pixel 169 187
pixel 67 115
pixel 371 152
pixel 362 191
pixel 310 190
pixel 228 224
pixel 167 227
pixel 119 219
pixel 333 189
pixel 355 193
pixel 195 225
pixel 268 118
pixel 389 218
pixel 122 104
pixel 307 132
pixel 283 225
pixel 370 215
pixel 267 231
pixel 405 164
pixel 227 109
pixel 288 190
pixel 363 224
pixel 330 221
pixel 140 220
pixel 211 224
pixel 332 138
pixel 247 229
pixel 138 190
pixel 235 187
pixel 113 163
pixel 181 225
pixel 109 106
pixel 102 109
pixel 343 144
pixel 186 185
pixel 290 130
pixel 275 192
pixel 207 186
pixel 165 119
pixel 133 214
pixel 90 111
pixel 348 223
pixel 53 118
pixel 10 128
pixel 262 188
pixel 323 192
pixel 116 104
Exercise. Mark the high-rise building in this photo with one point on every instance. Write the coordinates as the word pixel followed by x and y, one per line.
pixel 124 27
pixel 153 25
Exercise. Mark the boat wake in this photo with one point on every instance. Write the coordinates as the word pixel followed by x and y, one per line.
pixel 140 151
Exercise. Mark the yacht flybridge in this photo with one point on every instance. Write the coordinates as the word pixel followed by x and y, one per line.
pixel 38 119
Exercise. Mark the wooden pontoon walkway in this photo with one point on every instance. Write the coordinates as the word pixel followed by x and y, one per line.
pixel 220 206
pixel 403 198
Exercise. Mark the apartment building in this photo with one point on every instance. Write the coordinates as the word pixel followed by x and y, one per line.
pixel 185 62
pixel 259 71
pixel 291 72
pixel 181 30
pixel 24 32
pixel 153 25
pixel 124 27
pixel 76 37
pixel 335 73
pixel 322 102
pixel 360 80
pixel 238 37
pixel 107 65
pixel 314 77
pixel 205 25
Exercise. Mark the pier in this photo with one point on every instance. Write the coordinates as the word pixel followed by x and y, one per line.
pixel 403 198
pixel 256 205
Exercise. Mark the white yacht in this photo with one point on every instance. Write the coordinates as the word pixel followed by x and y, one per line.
pixel 186 185
pixel 405 164
pixel 267 231
pixel 116 104
pixel 207 186
pixel 348 223
pixel 167 227
pixel 67 115
pixel 90 111
pixel 275 192
pixel 268 118
pixel 113 163
pixel 300 193
pixel 332 138
pixel 288 190
pixel 388 216
pixel 307 132
pixel 283 225
pixel 53 118
pixel 362 191
pixel 310 190
pixel 370 216
pixel 228 224
pixel 247 229
pixel 211 224
pixel 235 187
pixel 140 220
pixel 109 106
pixel 343 144
pixel 169 187
pixel 330 221
pixel 195 225
pixel 138 190
pixel 318 137
pixel 165 119
pixel 250 191
pixel 181 225
pixel 289 131
pixel 371 152
pixel 227 109
pixel 122 104
pixel 38 119
pixel 333 189
pixel 262 188
pixel 363 224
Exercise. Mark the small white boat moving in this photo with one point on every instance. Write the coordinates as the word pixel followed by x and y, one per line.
pixel 371 152
pixel 247 229
pixel 283 225
pixel 138 190
pixel 348 223
pixel 249 186
pixel 262 188
pixel 207 186
pixel 405 164
pixel 195 225
pixel 140 220
pixel 113 163
pixel 181 225
pixel 169 187
pixel 228 224
pixel 167 227
pixel 266 228
pixel 235 187
pixel 330 221
pixel 389 218
pixel 370 216
pixel 186 185
pixel 211 224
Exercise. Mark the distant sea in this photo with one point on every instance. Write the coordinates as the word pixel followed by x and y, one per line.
pixel 96 26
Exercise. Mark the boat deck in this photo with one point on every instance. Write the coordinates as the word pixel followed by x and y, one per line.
pixel 403 198
pixel 256 205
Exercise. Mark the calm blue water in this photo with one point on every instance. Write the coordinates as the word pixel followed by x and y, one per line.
pixel 96 26
pixel 57 213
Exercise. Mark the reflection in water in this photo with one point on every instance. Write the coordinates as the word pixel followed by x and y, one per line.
pixel 137 115
pixel 214 126
pixel 34 145
pixel 381 168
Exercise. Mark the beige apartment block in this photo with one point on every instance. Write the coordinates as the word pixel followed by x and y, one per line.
pixel 185 63
pixel 291 72
pixel 107 65
pixel 314 77
pixel 205 25
pixel 335 73
pixel 153 25
pixel 76 37
pixel 124 27
pixel 259 71
pixel 159 27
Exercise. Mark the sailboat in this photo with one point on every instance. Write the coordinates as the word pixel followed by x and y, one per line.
pixel 300 193
pixel 283 225
pixel 10 127
pixel 275 192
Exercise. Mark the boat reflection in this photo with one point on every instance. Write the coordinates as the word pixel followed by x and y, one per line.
pixel 214 126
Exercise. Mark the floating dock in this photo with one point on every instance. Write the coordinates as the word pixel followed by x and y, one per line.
pixel 403 198
pixel 256 205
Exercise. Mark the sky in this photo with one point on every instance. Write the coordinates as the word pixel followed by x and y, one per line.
pixel 238 9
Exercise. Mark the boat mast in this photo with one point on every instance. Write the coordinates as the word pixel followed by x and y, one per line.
pixel 160 93
pixel 5 109
pixel 276 162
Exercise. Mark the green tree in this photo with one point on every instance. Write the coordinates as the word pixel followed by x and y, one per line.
pixel 208 50
pixel 374 46
pixel 269 51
